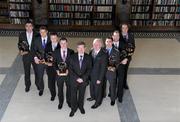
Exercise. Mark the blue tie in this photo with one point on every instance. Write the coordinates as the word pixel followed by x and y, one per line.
pixel 44 43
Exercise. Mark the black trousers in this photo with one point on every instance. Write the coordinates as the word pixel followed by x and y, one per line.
pixel 60 83
pixel 96 91
pixel 77 96
pixel 51 73
pixel 41 69
pixel 121 74
pixel 111 77
pixel 27 62
pixel 126 72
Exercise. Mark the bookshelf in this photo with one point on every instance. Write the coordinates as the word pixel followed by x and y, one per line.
pixel 81 14
pixel 4 15
pixel 155 15
pixel 20 11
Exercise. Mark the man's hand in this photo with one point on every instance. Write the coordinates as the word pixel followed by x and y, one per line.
pixel 23 52
pixel 36 60
pixel 79 80
pixel 98 81
pixel 124 61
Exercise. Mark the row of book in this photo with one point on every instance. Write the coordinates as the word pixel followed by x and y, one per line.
pixel 18 21
pixel 163 23
pixel 138 2
pixel 80 8
pixel 165 9
pixel 61 8
pixel 103 16
pixel 18 14
pixel 140 23
pixel 163 16
pixel 140 8
pixel 102 22
pixel 20 6
pixel 71 1
pixel 105 2
pixel 153 23
pixel 140 16
pixel 165 2
pixel 80 15
pixel 3 6
pixel 60 15
pixel 20 1
pixel 4 13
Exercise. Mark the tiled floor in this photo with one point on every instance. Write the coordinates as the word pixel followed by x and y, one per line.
pixel 29 107
pixel 154 94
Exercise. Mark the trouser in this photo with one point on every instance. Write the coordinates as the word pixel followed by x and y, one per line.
pixel 96 91
pixel 51 73
pixel 121 73
pixel 111 77
pixel 27 62
pixel 77 96
pixel 60 83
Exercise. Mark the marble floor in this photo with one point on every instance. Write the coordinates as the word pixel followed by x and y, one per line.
pixel 154 82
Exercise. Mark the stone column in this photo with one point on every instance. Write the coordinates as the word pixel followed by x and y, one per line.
pixel 40 12
pixel 122 12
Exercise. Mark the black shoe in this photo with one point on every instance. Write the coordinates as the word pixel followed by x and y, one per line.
pixel 112 103
pixel 71 114
pixel 60 106
pixel 90 99
pixel 52 98
pixel 94 106
pixel 27 89
pixel 126 87
pixel 120 100
pixel 82 111
pixel 40 92
pixel 69 105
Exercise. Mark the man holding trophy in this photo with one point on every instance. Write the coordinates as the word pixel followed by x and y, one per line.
pixel 61 58
pixel 51 72
pixel 39 58
pixel 113 62
pixel 25 45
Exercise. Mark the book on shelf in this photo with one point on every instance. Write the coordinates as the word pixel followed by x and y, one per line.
pixel 165 2
pixel 141 2
pixel 20 6
pixel 23 1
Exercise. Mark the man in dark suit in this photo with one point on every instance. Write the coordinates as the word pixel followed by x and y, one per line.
pixel 62 54
pixel 121 44
pixel 51 72
pixel 113 62
pixel 28 37
pixel 79 70
pixel 98 73
pixel 39 50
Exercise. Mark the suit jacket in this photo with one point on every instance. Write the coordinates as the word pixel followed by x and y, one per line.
pixel 123 42
pixel 76 72
pixel 49 48
pixel 38 46
pixel 58 58
pixel 99 66
pixel 114 54
pixel 23 37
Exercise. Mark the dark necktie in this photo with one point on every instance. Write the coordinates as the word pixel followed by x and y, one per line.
pixel 44 43
pixel 80 61
pixel 64 56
